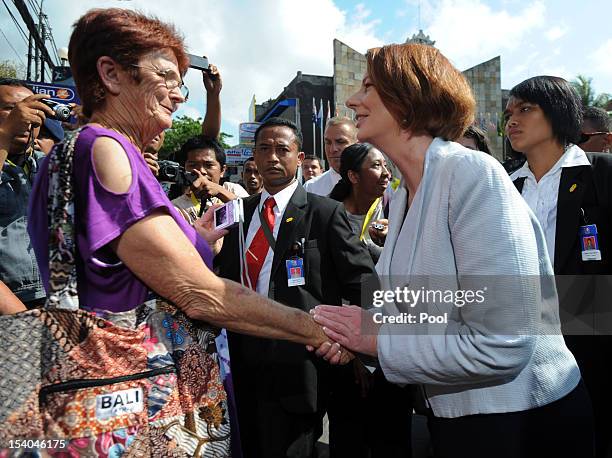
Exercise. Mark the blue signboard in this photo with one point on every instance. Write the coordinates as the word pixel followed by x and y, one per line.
pixel 57 92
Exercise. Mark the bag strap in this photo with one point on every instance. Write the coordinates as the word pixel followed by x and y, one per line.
pixel 62 292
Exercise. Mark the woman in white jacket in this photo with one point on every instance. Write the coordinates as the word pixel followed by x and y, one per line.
pixel 483 338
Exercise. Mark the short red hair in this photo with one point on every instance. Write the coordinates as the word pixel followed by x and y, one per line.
pixel 123 35
pixel 422 90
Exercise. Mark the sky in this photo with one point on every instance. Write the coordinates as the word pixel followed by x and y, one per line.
pixel 259 46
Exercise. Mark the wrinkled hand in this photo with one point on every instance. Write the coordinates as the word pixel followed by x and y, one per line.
pixel 333 353
pixel 203 187
pixel 27 112
pixel 350 326
pixel 212 80
pixel 379 235
pixel 205 227
pixel 151 160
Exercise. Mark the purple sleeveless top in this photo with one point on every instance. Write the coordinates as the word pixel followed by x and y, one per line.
pixel 101 216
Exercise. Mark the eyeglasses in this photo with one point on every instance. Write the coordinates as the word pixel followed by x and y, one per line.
pixel 170 80
pixel 584 137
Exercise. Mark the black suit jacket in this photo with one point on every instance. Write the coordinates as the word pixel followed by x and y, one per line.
pixel 585 188
pixel 335 265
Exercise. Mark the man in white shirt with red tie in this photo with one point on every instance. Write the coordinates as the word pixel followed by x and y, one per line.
pixel 340 132
pixel 305 255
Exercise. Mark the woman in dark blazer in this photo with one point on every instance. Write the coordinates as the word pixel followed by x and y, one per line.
pixel 569 190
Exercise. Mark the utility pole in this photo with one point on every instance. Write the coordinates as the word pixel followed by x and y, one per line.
pixel 29 75
pixel 38 42
pixel 43 35
pixel 37 57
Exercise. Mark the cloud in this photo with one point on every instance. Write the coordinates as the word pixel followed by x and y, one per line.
pixel 469 31
pixel 258 46
pixel 601 58
pixel 555 33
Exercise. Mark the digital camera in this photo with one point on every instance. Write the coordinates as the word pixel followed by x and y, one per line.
pixel 61 112
pixel 172 172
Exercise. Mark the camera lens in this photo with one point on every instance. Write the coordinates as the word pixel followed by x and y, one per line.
pixel 62 112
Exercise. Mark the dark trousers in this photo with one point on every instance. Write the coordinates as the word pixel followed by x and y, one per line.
pixel 372 421
pixel 390 419
pixel 594 357
pixel 267 429
pixel 560 429
pixel 347 413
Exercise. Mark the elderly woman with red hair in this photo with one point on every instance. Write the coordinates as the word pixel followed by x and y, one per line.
pixel 116 242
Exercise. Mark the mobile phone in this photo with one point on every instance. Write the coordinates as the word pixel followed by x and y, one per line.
pixel 198 62
pixel 228 215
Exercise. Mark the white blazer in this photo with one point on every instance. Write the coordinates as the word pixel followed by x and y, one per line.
pixel 504 355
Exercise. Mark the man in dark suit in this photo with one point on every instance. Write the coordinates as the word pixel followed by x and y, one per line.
pixel 300 251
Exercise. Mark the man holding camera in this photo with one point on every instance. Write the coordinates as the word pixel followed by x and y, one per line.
pixel 205 158
pixel 21 115
pixel 305 255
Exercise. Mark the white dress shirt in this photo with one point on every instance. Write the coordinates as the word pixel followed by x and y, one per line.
pixel 282 199
pixel 542 196
pixel 323 184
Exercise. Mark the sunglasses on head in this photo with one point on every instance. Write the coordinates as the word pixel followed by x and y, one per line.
pixel 584 137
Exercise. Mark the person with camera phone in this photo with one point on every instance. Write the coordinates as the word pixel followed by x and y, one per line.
pixel 136 306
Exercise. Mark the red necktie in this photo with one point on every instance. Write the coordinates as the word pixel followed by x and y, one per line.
pixel 256 254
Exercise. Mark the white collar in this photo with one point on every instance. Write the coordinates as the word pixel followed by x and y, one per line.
pixel 573 157
pixel 334 174
pixel 281 198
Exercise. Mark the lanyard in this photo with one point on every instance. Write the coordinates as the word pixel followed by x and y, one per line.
pixel 28 166
pixel 368 217
pixel 196 203
pixel 266 230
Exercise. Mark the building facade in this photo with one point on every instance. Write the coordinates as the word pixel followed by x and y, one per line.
pixel 349 68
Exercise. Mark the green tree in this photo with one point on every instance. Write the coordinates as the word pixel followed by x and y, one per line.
pixel 584 87
pixel 8 69
pixel 183 128
pixel 222 139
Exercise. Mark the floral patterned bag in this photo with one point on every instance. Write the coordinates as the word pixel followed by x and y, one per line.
pixel 135 384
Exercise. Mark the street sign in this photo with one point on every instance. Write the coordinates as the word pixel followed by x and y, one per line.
pixel 246 132
pixel 57 92
pixel 236 156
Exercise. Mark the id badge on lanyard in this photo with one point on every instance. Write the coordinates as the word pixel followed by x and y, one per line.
pixel 589 243
pixel 295 265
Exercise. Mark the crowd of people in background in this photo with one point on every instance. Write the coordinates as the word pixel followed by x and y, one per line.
pixel 271 312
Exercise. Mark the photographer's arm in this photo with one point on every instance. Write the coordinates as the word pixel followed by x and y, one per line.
pixel 202 186
pixel 211 126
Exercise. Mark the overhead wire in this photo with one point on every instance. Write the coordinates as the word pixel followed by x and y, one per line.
pixel 48 32
pixel 11 45
pixel 23 34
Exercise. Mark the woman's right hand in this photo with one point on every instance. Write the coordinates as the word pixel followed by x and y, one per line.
pixel 205 226
pixel 378 236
